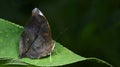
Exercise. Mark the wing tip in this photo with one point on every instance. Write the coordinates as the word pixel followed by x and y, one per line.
pixel 36 11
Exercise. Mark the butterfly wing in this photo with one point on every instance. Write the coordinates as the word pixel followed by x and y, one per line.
pixel 36 41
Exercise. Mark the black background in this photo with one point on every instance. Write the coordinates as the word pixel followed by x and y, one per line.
pixel 90 28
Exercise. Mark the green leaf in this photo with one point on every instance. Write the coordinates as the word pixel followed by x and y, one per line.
pixel 9 42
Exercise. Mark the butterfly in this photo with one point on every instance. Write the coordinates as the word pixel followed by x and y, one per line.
pixel 36 40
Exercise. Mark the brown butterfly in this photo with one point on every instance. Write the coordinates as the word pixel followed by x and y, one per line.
pixel 36 41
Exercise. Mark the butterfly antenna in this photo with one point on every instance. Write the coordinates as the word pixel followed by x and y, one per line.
pixel 55 50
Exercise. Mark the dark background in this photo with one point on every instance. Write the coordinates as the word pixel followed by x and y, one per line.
pixel 90 28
